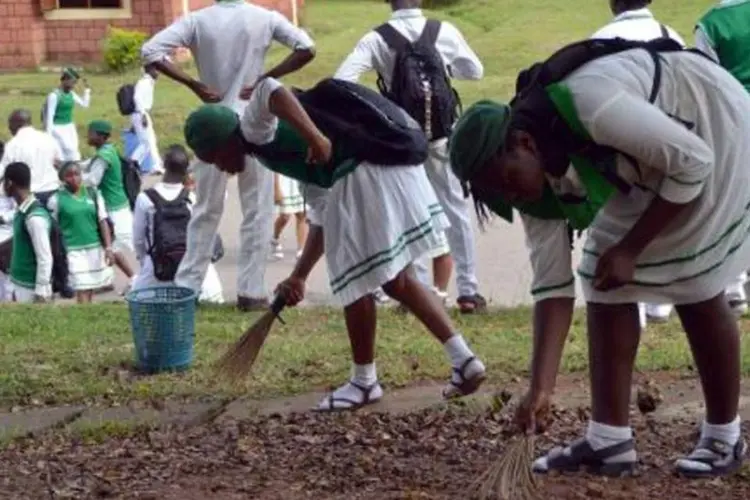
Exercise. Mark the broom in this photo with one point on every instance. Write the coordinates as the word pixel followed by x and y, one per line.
pixel 236 363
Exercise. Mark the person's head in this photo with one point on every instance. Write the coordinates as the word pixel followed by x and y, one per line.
pixel 620 6
pixel 493 159
pixel 69 79
pixel 18 119
pixel 404 4
pixel 17 180
pixel 70 175
pixel 212 132
pixel 176 163
pixel 99 132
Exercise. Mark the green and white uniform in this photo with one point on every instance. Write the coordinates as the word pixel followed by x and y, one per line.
pixel 105 173
pixel 78 216
pixel 31 261
pixel 375 220
pixel 59 120
pixel 724 34
pixel 692 157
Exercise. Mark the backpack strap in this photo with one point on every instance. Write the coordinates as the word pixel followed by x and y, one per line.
pixel 395 40
pixel 158 202
pixel 430 32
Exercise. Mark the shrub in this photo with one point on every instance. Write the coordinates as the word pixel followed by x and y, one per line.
pixel 122 49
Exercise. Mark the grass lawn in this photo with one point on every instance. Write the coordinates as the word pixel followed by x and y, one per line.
pixel 61 354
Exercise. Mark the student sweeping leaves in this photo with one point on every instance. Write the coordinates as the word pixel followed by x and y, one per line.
pixel 664 191
pixel 370 220
pixel 82 216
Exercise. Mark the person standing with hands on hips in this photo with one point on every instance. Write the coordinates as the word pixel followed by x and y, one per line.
pixel 229 41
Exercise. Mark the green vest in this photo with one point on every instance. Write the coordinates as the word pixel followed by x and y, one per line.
pixel 111 186
pixel 287 153
pixel 23 258
pixel 77 217
pixel 64 109
pixel 550 206
pixel 727 27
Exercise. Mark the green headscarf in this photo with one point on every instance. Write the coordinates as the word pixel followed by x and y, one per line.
pixel 210 126
pixel 477 136
pixel 101 127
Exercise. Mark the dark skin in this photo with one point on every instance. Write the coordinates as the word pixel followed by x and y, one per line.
pixel 18 119
pixel 516 174
pixel 620 6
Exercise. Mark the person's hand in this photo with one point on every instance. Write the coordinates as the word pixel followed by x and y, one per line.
pixel 144 120
pixel 319 151
pixel 247 92
pixel 533 412
pixel 616 267
pixel 109 256
pixel 292 289
pixel 205 93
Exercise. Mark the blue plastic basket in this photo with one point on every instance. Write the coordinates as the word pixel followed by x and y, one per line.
pixel 163 323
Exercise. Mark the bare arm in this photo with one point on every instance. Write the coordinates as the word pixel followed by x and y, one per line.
pixel 285 105
pixel 311 254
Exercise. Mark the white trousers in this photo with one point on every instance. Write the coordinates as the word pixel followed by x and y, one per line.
pixel 67 138
pixel 147 144
pixel 255 187
pixel 457 208
pixel 6 288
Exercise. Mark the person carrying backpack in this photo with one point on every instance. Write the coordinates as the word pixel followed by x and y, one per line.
pixel 81 214
pixel 135 102
pixel 607 135
pixel 31 256
pixel 371 208
pixel 404 52
pixel 105 173
pixel 160 222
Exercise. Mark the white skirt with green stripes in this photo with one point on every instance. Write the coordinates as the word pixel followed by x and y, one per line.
pixel 376 221
pixel 88 269
pixel 292 201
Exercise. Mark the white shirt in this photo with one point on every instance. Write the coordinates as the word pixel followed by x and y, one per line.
pixel 38 150
pixel 143 217
pixel 144 94
pixel 372 53
pixel 38 228
pixel 229 41
pixel 636 25
pixel 7 212
pixel 84 102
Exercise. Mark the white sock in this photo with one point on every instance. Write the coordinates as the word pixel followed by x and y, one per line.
pixel 726 433
pixel 457 349
pixel 364 375
pixel 601 436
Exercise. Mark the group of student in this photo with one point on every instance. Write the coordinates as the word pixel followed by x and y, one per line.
pixel 632 141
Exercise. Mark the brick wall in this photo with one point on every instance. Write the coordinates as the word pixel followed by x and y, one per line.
pixel 27 40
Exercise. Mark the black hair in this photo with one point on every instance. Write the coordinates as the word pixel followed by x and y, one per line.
pixel 632 4
pixel 19 174
pixel 176 159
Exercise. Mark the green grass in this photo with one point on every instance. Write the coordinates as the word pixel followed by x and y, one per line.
pixel 53 355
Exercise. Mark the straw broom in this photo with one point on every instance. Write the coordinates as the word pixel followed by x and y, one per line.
pixel 238 361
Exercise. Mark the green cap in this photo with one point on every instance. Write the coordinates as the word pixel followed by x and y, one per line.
pixel 210 126
pixel 70 72
pixel 100 127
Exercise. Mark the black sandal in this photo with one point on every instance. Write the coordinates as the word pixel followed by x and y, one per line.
pixel 470 304
pixel 464 386
pixel 353 405
pixel 583 457
pixel 721 458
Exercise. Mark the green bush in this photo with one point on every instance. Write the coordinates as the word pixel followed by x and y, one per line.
pixel 122 49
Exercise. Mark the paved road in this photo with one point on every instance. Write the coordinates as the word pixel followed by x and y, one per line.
pixel 503 265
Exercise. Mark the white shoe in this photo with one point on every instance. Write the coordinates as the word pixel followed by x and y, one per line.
pixel 277 252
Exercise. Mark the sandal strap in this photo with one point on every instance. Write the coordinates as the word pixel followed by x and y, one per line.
pixel 720 448
pixel 582 453
pixel 460 371
pixel 366 391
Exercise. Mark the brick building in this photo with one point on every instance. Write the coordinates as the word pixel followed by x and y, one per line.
pixel 70 31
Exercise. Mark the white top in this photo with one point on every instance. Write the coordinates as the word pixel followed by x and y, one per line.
pixel 84 102
pixel 636 25
pixel 7 212
pixel 372 53
pixel 229 41
pixel 38 150
pixel 143 216
pixel 39 228
pixel 144 94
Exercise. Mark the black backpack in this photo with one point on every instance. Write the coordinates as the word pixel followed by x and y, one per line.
pixel 169 233
pixel 131 179
pixel 420 83
pixel 362 125
pixel 126 99
pixel 60 270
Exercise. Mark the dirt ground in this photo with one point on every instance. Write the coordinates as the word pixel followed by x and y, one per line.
pixel 433 453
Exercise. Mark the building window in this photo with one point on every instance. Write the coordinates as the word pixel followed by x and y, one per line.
pixel 89 4
pixel 83 10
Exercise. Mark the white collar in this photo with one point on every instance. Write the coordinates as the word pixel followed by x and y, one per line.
pixel 634 14
pixel 406 13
